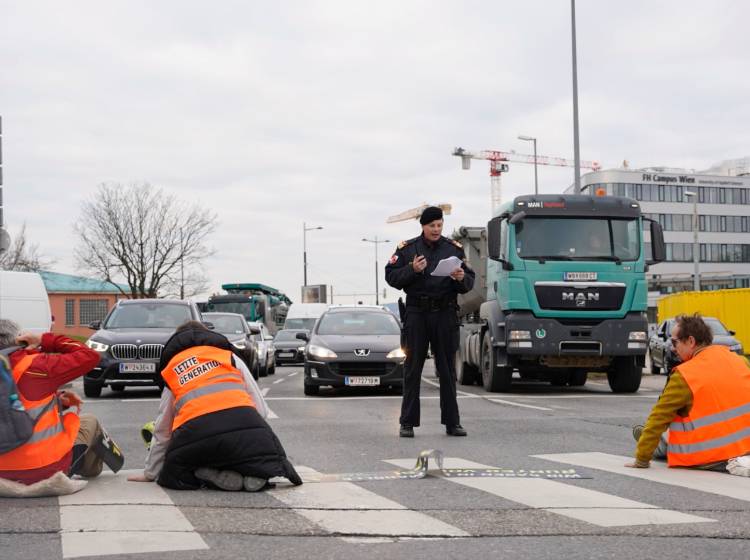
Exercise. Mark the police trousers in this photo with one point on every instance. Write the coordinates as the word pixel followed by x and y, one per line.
pixel 437 330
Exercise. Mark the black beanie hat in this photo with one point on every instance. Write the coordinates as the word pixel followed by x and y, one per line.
pixel 430 214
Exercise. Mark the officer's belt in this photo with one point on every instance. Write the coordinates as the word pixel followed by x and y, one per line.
pixel 426 303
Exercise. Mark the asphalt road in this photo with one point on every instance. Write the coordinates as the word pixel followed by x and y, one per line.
pixel 612 513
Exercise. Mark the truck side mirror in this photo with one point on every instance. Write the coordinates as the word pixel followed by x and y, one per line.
pixel 494 241
pixel 658 248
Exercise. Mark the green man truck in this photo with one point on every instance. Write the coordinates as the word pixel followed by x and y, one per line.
pixel 256 302
pixel 560 292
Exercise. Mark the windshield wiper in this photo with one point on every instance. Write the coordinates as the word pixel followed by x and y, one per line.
pixel 614 258
pixel 542 258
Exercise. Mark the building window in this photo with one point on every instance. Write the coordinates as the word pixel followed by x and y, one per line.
pixel 91 310
pixel 70 314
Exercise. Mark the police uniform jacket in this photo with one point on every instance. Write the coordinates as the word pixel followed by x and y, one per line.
pixel 421 286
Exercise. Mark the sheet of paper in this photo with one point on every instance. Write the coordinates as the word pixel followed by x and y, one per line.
pixel 446 266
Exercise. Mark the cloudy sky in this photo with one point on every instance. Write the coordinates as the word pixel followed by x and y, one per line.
pixel 342 113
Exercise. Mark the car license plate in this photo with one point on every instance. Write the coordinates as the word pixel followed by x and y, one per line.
pixel 580 276
pixel 286 354
pixel 145 367
pixel 362 381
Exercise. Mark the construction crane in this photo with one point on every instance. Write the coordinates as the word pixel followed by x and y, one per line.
pixel 499 165
pixel 415 213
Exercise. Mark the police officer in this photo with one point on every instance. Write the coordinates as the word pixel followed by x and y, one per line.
pixel 431 316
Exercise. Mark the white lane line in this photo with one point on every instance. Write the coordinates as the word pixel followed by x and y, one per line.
pixel 113 516
pixel 278 380
pixel 718 483
pixel 346 509
pixel 501 401
pixel 264 391
pixel 588 396
pixel 458 391
pixel 597 508
pixel 271 413
pixel 336 398
pixel 293 374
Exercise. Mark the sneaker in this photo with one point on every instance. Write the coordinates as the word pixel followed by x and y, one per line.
pixel 253 483
pixel 406 431
pixel 637 431
pixel 230 481
pixel 456 430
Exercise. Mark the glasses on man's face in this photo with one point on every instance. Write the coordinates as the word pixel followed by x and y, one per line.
pixel 674 341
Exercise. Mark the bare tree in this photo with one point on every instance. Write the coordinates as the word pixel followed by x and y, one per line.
pixel 23 256
pixel 145 236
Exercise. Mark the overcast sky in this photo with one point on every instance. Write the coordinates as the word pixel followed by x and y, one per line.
pixel 342 113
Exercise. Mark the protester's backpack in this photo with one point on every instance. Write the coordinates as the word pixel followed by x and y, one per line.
pixel 16 425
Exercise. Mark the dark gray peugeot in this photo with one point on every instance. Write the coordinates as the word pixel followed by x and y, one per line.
pixel 130 340
pixel 354 346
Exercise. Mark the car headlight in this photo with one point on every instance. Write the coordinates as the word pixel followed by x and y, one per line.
pixel 397 353
pixel 320 351
pixel 736 347
pixel 301 349
pixel 241 344
pixel 97 346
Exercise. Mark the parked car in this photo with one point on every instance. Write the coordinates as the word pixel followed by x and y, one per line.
pixel 288 348
pixel 662 354
pixel 130 341
pixel 304 315
pixel 263 341
pixel 239 333
pixel 354 346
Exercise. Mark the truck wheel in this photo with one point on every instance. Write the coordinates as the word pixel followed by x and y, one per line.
pixel 92 389
pixel 578 377
pixel 495 379
pixel 312 389
pixel 465 373
pixel 655 370
pixel 624 375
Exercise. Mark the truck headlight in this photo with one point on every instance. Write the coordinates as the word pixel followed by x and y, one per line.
pixel 97 346
pixel 320 351
pixel 397 353
pixel 639 336
pixel 519 335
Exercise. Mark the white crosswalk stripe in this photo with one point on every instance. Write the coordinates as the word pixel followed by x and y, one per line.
pixel 113 516
pixel 347 509
pixel 569 500
pixel 704 481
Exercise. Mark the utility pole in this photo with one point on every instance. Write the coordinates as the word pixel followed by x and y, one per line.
pixel 182 266
pixel 4 236
pixel 375 242
pixel 305 229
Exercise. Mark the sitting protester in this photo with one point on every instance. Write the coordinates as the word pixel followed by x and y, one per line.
pixel 62 439
pixel 210 429
pixel 701 417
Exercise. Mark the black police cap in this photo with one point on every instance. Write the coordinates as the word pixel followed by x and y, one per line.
pixel 430 214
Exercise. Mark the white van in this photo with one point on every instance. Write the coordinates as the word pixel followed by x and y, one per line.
pixel 304 315
pixel 24 300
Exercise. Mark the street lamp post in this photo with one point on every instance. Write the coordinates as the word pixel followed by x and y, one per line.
pixel 576 151
pixel 375 242
pixel 305 229
pixel 696 246
pixel 532 139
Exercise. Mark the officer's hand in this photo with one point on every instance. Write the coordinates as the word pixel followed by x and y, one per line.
pixel 419 263
pixel 29 339
pixel 458 274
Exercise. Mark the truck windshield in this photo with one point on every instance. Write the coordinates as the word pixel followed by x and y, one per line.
pixel 244 308
pixel 578 239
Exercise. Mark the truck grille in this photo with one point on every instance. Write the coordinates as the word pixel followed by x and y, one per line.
pixel 133 352
pixel 361 368
pixel 575 297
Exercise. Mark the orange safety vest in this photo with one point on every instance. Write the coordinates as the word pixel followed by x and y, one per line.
pixel 54 432
pixel 717 428
pixel 203 380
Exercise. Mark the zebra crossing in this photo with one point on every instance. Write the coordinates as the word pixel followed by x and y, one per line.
pixel 113 516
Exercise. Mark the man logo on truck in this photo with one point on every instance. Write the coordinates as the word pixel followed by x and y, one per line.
pixel 580 298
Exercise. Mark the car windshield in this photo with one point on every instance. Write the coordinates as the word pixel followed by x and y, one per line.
pixel 717 329
pixel 283 336
pixel 358 323
pixel 148 316
pixel 226 324
pixel 578 239
pixel 300 323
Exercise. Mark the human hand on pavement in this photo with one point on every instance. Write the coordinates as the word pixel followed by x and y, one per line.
pixel 638 465
pixel 419 263
pixel 458 274
pixel 141 477
pixel 28 339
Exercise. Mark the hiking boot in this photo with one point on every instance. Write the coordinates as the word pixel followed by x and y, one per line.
pixel 230 481
pixel 637 431
pixel 456 430
pixel 406 431
pixel 253 483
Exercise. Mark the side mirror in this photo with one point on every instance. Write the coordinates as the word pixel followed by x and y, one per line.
pixel 658 247
pixel 95 325
pixel 254 330
pixel 494 241
pixel 302 336
pixel 208 325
